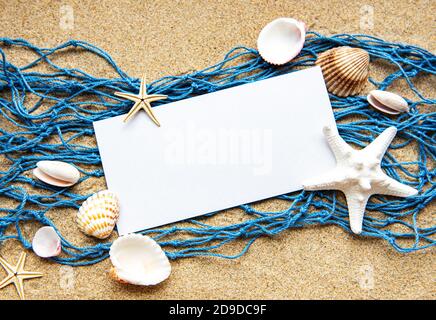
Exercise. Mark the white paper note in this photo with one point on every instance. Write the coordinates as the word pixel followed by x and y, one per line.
pixel 218 150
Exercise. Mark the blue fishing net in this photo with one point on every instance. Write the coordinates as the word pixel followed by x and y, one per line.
pixel 47 110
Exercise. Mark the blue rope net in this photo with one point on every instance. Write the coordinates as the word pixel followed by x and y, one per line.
pixel 47 115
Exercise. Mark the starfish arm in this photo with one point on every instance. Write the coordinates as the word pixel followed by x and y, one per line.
pixel 29 275
pixel 379 146
pixel 9 269
pixel 146 106
pixel 7 281
pixel 133 110
pixel 20 264
pixel 327 181
pixel 356 203
pixel 143 86
pixel 340 148
pixel 392 187
pixel 19 285
pixel 128 96
pixel 156 97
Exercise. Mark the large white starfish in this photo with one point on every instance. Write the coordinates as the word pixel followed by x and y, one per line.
pixel 358 174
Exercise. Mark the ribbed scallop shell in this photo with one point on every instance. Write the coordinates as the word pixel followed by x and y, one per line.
pixel 98 214
pixel 345 70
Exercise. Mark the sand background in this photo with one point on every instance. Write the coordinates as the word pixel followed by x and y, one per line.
pixel 172 37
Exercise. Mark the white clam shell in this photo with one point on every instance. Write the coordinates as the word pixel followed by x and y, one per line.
pixel 98 214
pixel 138 260
pixel 281 40
pixel 46 243
pixel 56 173
pixel 387 102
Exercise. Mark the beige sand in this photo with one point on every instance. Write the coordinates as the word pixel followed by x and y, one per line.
pixel 171 37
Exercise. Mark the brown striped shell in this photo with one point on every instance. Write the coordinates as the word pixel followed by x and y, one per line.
pixel 345 70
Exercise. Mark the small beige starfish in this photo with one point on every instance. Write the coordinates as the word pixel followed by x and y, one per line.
pixel 17 275
pixel 142 100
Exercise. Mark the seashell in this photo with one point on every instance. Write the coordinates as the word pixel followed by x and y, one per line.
pixel 387 102
pixel 98 214
pixel 56 173
pixel 138 260
pixel 46 243
pixel 281 40
pixel 345 70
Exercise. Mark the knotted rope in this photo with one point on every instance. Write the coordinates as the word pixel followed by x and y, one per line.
pixel 47 115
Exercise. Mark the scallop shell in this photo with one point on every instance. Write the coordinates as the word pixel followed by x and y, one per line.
pixel 138 260
pixel 345 70
pixel 56 173
pixel 46 243
pixel 281 40
pixel 387 102
pixel 98 214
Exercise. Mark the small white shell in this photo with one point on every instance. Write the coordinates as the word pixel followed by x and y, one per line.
pixel 46 242
pixel 56 173
pixel 387 102
pixel 281 40
pixel 98 214
pixel 138 260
